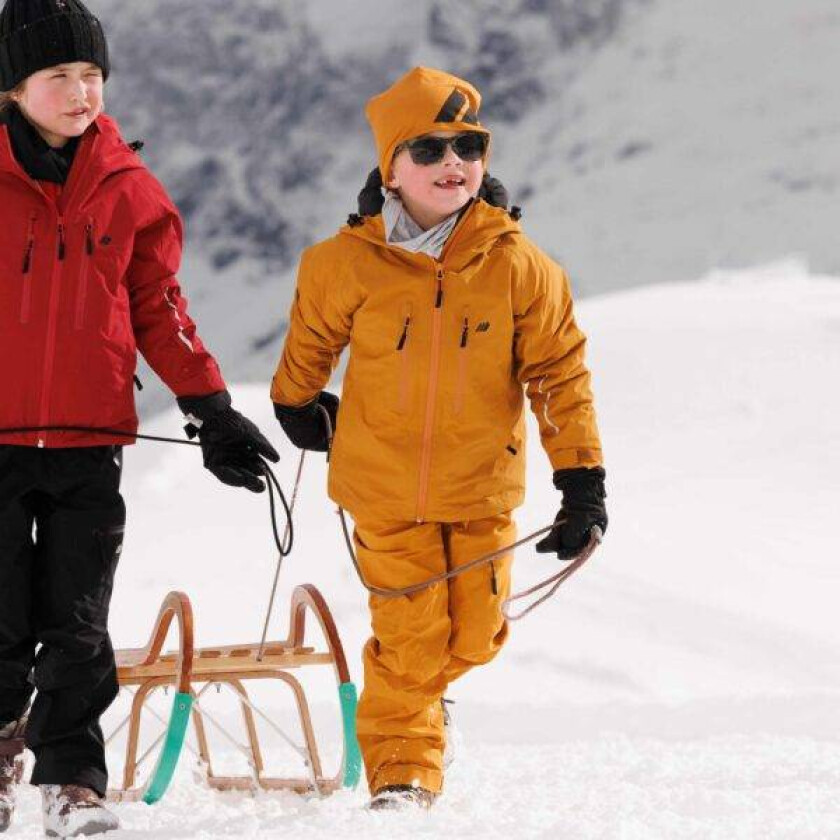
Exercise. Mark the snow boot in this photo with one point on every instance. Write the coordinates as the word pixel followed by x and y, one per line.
pixel 75 811
pixel 452 737
pixel 401 798
pixel 11 769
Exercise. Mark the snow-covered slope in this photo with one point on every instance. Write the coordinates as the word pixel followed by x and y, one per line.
pixel 648 140
pixel 719 415
pixel 683 685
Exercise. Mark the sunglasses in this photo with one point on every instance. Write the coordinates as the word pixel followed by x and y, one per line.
pixel 469 146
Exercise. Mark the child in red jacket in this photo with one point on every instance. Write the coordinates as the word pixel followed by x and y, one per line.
pixel 90 244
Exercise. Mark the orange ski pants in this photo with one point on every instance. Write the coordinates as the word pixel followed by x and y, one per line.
pixel 422 642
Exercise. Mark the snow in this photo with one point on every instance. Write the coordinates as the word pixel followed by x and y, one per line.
pixel 684 684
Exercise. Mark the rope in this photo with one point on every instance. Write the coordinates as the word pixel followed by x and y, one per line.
pixel 557 579
pixel 100 431
pixel 284 546
pixel 280 557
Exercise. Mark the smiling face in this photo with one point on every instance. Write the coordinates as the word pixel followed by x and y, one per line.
pixel 62 101
pixel 433 193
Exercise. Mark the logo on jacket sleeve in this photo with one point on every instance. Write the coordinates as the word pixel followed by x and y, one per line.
pixel 483 327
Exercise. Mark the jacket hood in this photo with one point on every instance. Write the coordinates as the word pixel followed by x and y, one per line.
pixel 478 230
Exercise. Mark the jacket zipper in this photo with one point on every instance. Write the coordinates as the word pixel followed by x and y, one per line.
pixel 52 318
pixel 26 292
pixel 83 277
pixel 434 372
pixel 403 350
pixel 463 358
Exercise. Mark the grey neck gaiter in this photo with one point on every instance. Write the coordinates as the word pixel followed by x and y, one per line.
pixel 401 230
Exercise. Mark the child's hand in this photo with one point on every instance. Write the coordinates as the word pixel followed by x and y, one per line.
pixel 231 444
pixel 305 426
pixel 583 508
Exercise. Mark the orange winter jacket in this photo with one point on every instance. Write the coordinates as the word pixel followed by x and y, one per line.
pixel 431 424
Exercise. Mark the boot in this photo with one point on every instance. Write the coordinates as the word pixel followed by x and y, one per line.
pixel 11 769
pixel 75 811
pixel 452 737
pixel 401 798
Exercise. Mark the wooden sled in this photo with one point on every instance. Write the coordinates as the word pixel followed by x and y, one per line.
pixel 192 671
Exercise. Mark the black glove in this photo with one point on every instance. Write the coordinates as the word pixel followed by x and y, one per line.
pixel 304 425
pixel 583 507
pixel 231 444
pixel 371 200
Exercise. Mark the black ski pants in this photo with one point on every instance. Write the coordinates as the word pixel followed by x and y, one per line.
pixel 62 520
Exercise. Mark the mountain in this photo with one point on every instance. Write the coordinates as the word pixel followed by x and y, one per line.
pixel 648 141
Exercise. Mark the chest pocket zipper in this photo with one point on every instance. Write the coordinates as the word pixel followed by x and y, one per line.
pixel 403 351
pixel 463 363
pixel 84 276
pixel 26 271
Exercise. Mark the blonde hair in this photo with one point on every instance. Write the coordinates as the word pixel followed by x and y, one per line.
pixel 8 97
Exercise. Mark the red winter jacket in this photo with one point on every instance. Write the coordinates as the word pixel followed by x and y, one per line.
pixel 87 277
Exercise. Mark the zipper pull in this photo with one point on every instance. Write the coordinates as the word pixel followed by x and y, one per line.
pixel 89 239
pixel 404 336
pixel 465 331
pixel 439 298
pixel 27 257
pixel 61 247
pixel 30 245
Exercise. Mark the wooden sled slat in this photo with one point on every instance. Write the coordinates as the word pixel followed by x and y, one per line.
pixel 222 668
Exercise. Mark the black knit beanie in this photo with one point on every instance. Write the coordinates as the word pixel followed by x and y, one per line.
pixel 36 34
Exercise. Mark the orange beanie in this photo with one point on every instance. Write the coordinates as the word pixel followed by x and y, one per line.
pixel 422 101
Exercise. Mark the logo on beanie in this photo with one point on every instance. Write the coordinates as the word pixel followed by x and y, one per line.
pixel 452 108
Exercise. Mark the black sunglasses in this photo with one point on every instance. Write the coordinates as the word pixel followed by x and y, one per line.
pixel 428 149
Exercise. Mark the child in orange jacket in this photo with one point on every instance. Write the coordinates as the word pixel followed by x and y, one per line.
pixel 449 310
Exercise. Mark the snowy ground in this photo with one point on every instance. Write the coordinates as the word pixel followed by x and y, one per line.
pixel 683 685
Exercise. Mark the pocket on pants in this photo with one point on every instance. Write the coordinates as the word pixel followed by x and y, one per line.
pixel 110 541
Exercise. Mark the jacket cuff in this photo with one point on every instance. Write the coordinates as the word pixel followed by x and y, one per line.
pixel 580 476
pixel 203 408
pixel 575 457
pixel 290 412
